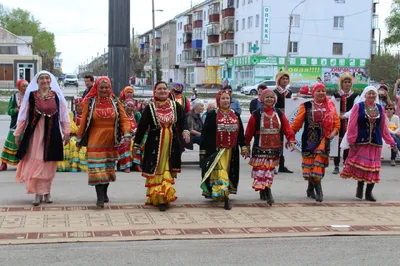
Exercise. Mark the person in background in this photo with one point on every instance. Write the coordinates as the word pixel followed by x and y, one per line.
pixel 235 104
pixel 176 94
pixel 396 96
pixel 257 103
pixel 89 81
pixel 367 127
pixel 346 96
pixel 383 93
pixel 194 95
pixel 78 156
pixel 210 107
pixel 393 123
pixel 382 82
pixel 282 92
pixel 43 128
pixel 8 156
pixel 195 124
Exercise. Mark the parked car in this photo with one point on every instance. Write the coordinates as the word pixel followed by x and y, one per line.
pixel 252 90
pixel 71 79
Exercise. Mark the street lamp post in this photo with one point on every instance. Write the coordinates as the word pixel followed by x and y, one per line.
pixel 290 31
pixel 153 50
pixel 379 42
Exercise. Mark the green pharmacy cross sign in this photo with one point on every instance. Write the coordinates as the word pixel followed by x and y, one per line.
pixel 255 48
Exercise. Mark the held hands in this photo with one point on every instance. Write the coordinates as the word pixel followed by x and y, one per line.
pixel 66 139
pixel 333 134
pixel 186 137
pixel 290 145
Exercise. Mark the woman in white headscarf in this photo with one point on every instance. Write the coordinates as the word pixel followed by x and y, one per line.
pixel 43 127
pixel 367 127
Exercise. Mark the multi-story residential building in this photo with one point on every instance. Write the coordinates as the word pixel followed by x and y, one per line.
pixel 162 46
pixel 17 59
pixel 328 37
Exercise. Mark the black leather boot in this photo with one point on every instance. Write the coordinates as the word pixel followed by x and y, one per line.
pixel 227 205
pixel 262 195
pixel 360 189
pixel 368 192
pixel 310 190
pixel 100 196
pixel 318 189
pixel 162 207
pixel 282 167
pixel 106 199
pixel 268 195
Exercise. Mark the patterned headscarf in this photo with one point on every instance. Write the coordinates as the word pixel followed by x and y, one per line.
pixel 95 89
pixel 218 97
pixel 122 95
pixel 19 83
pixel 330 107
pixel 264 93
pixel 180 90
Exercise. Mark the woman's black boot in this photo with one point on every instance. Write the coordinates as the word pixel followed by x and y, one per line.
pixel 368 192
pixel 262 195
pixel 268 194
pixel 100 196
pixel 162 207
pixel 310 190
pixel 106 199
pixel 227 205
pixel 318 189
pixel 360 189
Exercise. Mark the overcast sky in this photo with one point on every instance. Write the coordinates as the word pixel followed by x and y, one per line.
pixel 81 26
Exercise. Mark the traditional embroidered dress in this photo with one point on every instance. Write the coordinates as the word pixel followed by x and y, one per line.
pixel 78 155
pixel 221 137
pixel 162 120
pixel 267 127
pixel 367 127
pixel 103 123
pixel 66 164
pixel 8 156
pixel 319 120
pixel 41 146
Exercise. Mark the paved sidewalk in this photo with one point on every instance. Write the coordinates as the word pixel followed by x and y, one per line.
pixel 75 223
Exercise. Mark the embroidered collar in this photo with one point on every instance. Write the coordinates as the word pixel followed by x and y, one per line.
pixel 281 90
pixel 341 92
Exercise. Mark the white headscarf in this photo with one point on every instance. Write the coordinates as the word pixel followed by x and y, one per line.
pixel 367 89
pixel 196 103
pixel 34 86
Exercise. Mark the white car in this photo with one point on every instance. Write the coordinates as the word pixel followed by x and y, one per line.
pixel 252 90
pixel 71 79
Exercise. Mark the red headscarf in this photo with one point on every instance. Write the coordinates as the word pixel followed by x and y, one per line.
pixel 154 89
pixel 122 95
pixel 218 97
pixel 19 83
pixel 94 91
pixel 305 90
pixel 330 107
pixel 78 100
pixel 264 92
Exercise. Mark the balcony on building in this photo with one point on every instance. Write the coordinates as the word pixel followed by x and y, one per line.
pixel 188 23
pixel 229 11
pixel 213 33
pixel 197 44
pixel 146 39
pixel 213 51
pixel 375 19
pixel 213 12
pixel 228 29
pixel 196 55
pixel 228 48
pixel 187 40
pixel 158 34
pixel 198 19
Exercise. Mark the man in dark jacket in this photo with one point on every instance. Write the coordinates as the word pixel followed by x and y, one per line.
pixel 256 103
pixel 89 81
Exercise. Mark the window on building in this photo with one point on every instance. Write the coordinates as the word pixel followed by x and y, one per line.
pixel 294 47
pixel 237 3
pixel 177 58
pixel 204 55
pixel 242 48
pixel 250 1
pixel 8 50
pixel 250 22
pixel 243 24
pixel 213 51
pixel 337 48
pixel 257 20
pixel 205 18
pixel 296 21
pixel 257 43
pixel 236 49
pixel 237 25
pixel 340 1
pixel 338 22
pixel 243 2
pixel 249 44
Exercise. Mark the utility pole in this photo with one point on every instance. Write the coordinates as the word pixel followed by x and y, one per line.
pixel 153 44
pixel 290 31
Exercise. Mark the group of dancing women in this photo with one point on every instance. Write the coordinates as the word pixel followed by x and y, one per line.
pixel 104 132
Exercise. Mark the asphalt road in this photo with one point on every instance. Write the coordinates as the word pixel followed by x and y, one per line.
pixel 349 251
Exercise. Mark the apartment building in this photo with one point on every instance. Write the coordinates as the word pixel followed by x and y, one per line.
pixel 328 37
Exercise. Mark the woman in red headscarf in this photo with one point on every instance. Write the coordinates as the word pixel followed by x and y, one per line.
pixel 127 93
pixel 221 137
pixel 267 125
pixel 321 125
pixel 162 119
pixel 128 159
pixel 103 123
pixel 8 156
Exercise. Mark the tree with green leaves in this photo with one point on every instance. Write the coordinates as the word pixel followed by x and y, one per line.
pixel 384 67
pixel 138 60
pixel 393 24
pixel 159 73
pixel 22 23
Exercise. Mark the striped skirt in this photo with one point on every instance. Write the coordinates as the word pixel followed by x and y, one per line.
pixel 101 165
